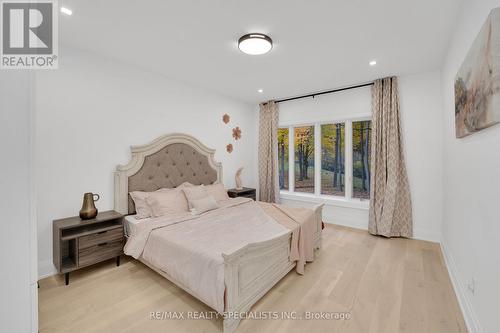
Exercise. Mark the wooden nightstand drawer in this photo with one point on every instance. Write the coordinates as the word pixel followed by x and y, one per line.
pixel 99 252
pixel 100 237
pixel 251 196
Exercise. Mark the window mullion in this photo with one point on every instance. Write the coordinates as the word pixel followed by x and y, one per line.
pixel 291 159
pixel 348 159
pixel 317 159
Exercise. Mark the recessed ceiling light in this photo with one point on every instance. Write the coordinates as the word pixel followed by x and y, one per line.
pixel 255 44
pixel 373 62
pixel 261 90
pixel 66 11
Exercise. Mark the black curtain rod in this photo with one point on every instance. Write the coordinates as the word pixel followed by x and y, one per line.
pixel 324 92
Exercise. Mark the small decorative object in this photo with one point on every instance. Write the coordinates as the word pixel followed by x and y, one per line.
pixel 229 148
pixel 236 133
pixel 226 118
pixel 477 98
pixel 237 178
pixel 89 211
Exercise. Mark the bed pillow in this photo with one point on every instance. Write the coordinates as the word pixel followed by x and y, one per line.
pixel 203 205
pixel 217 191
pixel 167 202
pixel 142 208
pixel 195 193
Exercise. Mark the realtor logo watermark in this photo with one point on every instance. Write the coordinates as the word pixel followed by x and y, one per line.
pixel 29 34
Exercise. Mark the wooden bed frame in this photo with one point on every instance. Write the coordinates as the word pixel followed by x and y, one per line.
pixel 249 272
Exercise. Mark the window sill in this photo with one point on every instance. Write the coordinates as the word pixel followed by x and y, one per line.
pixel 327 200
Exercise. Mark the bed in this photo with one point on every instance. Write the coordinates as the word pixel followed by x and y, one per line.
pixel 241 267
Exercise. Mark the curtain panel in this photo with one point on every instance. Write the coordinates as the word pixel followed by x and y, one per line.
pixel 390 199
pixel 268 152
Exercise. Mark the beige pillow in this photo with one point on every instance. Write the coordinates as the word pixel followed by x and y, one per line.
pixel 167 202
pixel 195 193
pixel 204 204
pixel 217 191
pixel 142 209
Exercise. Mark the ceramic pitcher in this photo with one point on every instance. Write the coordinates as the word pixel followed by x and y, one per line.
pixel 89 211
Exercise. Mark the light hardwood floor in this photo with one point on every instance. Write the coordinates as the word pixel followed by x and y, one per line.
pixel 386 285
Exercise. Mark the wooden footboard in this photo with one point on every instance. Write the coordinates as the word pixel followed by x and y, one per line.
pixel 254 269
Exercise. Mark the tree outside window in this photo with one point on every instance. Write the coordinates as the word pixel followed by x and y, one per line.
pixel 361 134
pixel 283 158
pixel 304 159
pixel 333 159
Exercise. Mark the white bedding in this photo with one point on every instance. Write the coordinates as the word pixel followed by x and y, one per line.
pixel 189 248
pixel 130 224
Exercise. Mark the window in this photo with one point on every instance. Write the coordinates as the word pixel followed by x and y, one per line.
pixel 361 142
pixel 283 157
pixel 304 159
pixel 333 159
pixel 330 159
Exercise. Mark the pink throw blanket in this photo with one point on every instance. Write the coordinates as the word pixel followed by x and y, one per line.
pixel 302 223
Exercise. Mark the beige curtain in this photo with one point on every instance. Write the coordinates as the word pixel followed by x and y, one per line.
pixel 390 201
pixel 268 152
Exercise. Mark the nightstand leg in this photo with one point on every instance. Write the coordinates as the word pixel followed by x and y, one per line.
pixel 66 278
pixel 118 261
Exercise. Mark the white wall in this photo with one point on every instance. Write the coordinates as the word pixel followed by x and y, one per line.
pixel 91 110
pixel 421 106
pixel 420 97
pixel 471 220
pixel 18 300
pixel 336 106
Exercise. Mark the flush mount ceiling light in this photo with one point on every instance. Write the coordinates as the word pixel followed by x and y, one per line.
pixel 255 44
pixel 373 63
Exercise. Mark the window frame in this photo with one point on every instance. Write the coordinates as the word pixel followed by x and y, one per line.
pixel 347 200
pixel 352 161
pixel 291 155
pixel 289 184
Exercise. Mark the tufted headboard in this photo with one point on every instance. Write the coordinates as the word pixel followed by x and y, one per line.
pixel 166 162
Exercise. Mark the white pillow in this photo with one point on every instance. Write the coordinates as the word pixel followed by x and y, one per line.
pixel 203 205
pixel 217 191
pixel 167 202
pixel 195 193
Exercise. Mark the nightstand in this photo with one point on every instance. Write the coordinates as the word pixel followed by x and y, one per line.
pixel 245 193
pixel 79 243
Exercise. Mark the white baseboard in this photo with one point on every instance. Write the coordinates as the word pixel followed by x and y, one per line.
pixel 46 269
pixel 426 235
pixel 464 301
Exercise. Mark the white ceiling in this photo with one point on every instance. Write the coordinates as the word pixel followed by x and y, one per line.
pixel 319 45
